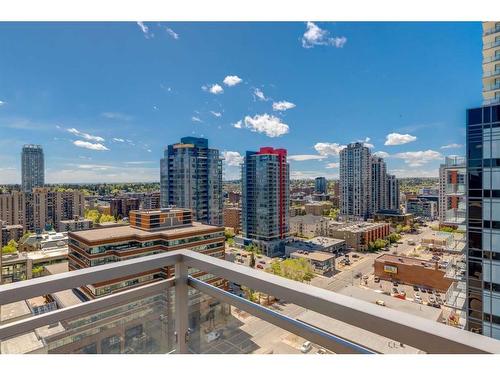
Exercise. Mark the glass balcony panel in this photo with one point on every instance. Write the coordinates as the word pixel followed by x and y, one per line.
pixel 142 325
pixel 220 328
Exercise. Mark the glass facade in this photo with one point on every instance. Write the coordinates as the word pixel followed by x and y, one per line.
pixel 32 167
pixel 191 177
pixel 483 220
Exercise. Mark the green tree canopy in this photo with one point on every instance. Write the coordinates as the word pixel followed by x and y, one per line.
pixel 10 248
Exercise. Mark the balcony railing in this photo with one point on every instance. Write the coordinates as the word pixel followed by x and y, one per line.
pixel 491 73
pixel 493 30
pixel 491 45
pixel 492 87
pixel 491 101
pixel 180 315
pixel 489 59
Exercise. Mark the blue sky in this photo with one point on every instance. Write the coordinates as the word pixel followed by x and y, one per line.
pixel 104 99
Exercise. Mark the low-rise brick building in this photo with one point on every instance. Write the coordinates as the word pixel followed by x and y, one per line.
pixel 359 235
pixel 412 271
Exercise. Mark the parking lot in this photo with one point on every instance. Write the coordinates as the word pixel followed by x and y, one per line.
pixel 416 294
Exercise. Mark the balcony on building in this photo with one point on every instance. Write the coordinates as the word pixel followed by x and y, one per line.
pixel 491 101
pixel 492 30
pixel 491 87
pixel 491 73
pixel 184 314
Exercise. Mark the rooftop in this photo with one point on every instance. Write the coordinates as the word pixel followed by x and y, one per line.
pixel 359 227
pixel 308 219
pixel 128 232
pixel 319 256
pixel 406 260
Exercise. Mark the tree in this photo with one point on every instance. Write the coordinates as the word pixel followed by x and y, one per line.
pixel 106 218
pixel 37 270
pixel 393 237
pixel 229 233
pixel 252 248
pixel 252 260
pixel 10 248
pixel 377 244
pixel 334 213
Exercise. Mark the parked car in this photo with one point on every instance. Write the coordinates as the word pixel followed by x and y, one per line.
pixel 365 277
pixel 439 300
pixel 244 255
pixel 395 290
pixel 432 300
pixel 260 266
pixel 376 279
pixel 415 288
pixel 306 347
pixel 423 290
pixel 259 256
pixel 321 351
pixel 417 295
pixel 262 261
pixel 380 302
pixel 358 275
pixel 418 299
pixel 355 255
pixel 395 283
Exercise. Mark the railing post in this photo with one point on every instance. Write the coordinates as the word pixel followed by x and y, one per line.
pixel 181 308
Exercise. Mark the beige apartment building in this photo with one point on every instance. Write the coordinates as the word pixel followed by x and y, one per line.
pixel 309 226
pixel 40 208
pixel 318 208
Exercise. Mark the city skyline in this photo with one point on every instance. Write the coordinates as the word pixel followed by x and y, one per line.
pixel 107 98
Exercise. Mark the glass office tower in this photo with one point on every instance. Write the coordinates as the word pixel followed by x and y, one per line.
pixel 483 220
pixel 191 177
pixel 32 167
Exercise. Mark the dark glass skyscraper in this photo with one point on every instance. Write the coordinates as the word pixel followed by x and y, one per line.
pixel 483 220
pixel 191 177
pixel 320 185
pixel 32 167
pixel 265 201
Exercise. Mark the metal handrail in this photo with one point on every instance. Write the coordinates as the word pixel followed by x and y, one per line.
pixel 429 336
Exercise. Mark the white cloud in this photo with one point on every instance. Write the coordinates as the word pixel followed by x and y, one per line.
pixel 237 124
pixel 418 158
pixel 138 162
pixel 332 165
pixel 381 154
pixel 119 140
pixel 395 139
pixel 328 149
pixel 269 125
pixel 232 158
pixel 215 89
pixel 196 119
pixel 1 103
pixel 259 94
pixel 315 36
pixel 145 30
pixel 366 143
pixel 172 33
pixel 216 114
pixel 91 146
pixel 453 145
pixel 86 136
pixel 305 157
pixel 232 80
pixel 117 116
pixel 283 105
